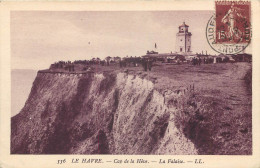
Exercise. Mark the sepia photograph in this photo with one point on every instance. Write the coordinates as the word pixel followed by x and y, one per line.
pixel 132 82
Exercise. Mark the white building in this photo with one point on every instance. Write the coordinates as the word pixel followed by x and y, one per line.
pixel 183 40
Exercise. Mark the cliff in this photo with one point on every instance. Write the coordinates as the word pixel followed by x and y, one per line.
pixel 179 109
pixel 98 113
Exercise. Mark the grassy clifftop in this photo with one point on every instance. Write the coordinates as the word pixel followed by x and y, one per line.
pixel 173 109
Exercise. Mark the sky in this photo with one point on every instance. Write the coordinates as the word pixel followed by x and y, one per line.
pixel 39 38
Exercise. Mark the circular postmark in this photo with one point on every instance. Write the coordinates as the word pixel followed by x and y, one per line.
pixel 227 45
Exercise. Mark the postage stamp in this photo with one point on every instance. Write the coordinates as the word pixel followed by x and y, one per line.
pixel 229 30
pixel 130 84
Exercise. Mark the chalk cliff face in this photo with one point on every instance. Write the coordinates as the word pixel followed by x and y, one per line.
pixel 102 113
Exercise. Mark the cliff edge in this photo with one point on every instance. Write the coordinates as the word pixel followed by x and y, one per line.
pixel 175 110
pixel 96 113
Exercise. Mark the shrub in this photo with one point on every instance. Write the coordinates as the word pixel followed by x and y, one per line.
pixel 195 118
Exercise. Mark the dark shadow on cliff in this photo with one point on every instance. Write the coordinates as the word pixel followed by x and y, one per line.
pixel 63 135
pixel 207 122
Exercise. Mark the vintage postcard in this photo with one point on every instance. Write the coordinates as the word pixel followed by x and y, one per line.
pixel 130 84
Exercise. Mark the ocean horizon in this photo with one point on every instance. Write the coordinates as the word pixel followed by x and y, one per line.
pixel 21 84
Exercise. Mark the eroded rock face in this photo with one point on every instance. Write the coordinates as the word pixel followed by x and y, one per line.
pixel 96 114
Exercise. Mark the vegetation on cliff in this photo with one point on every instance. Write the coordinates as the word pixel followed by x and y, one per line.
pixel 179 109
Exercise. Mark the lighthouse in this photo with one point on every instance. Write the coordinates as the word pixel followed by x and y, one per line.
pixel 183 39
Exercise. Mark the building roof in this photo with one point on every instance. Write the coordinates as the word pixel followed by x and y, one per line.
pixel 183 25
pixel 162 55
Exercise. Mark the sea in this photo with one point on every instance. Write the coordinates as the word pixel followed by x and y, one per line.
pixel 21 84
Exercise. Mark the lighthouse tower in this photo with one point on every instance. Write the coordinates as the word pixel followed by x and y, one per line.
pixel 183 39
